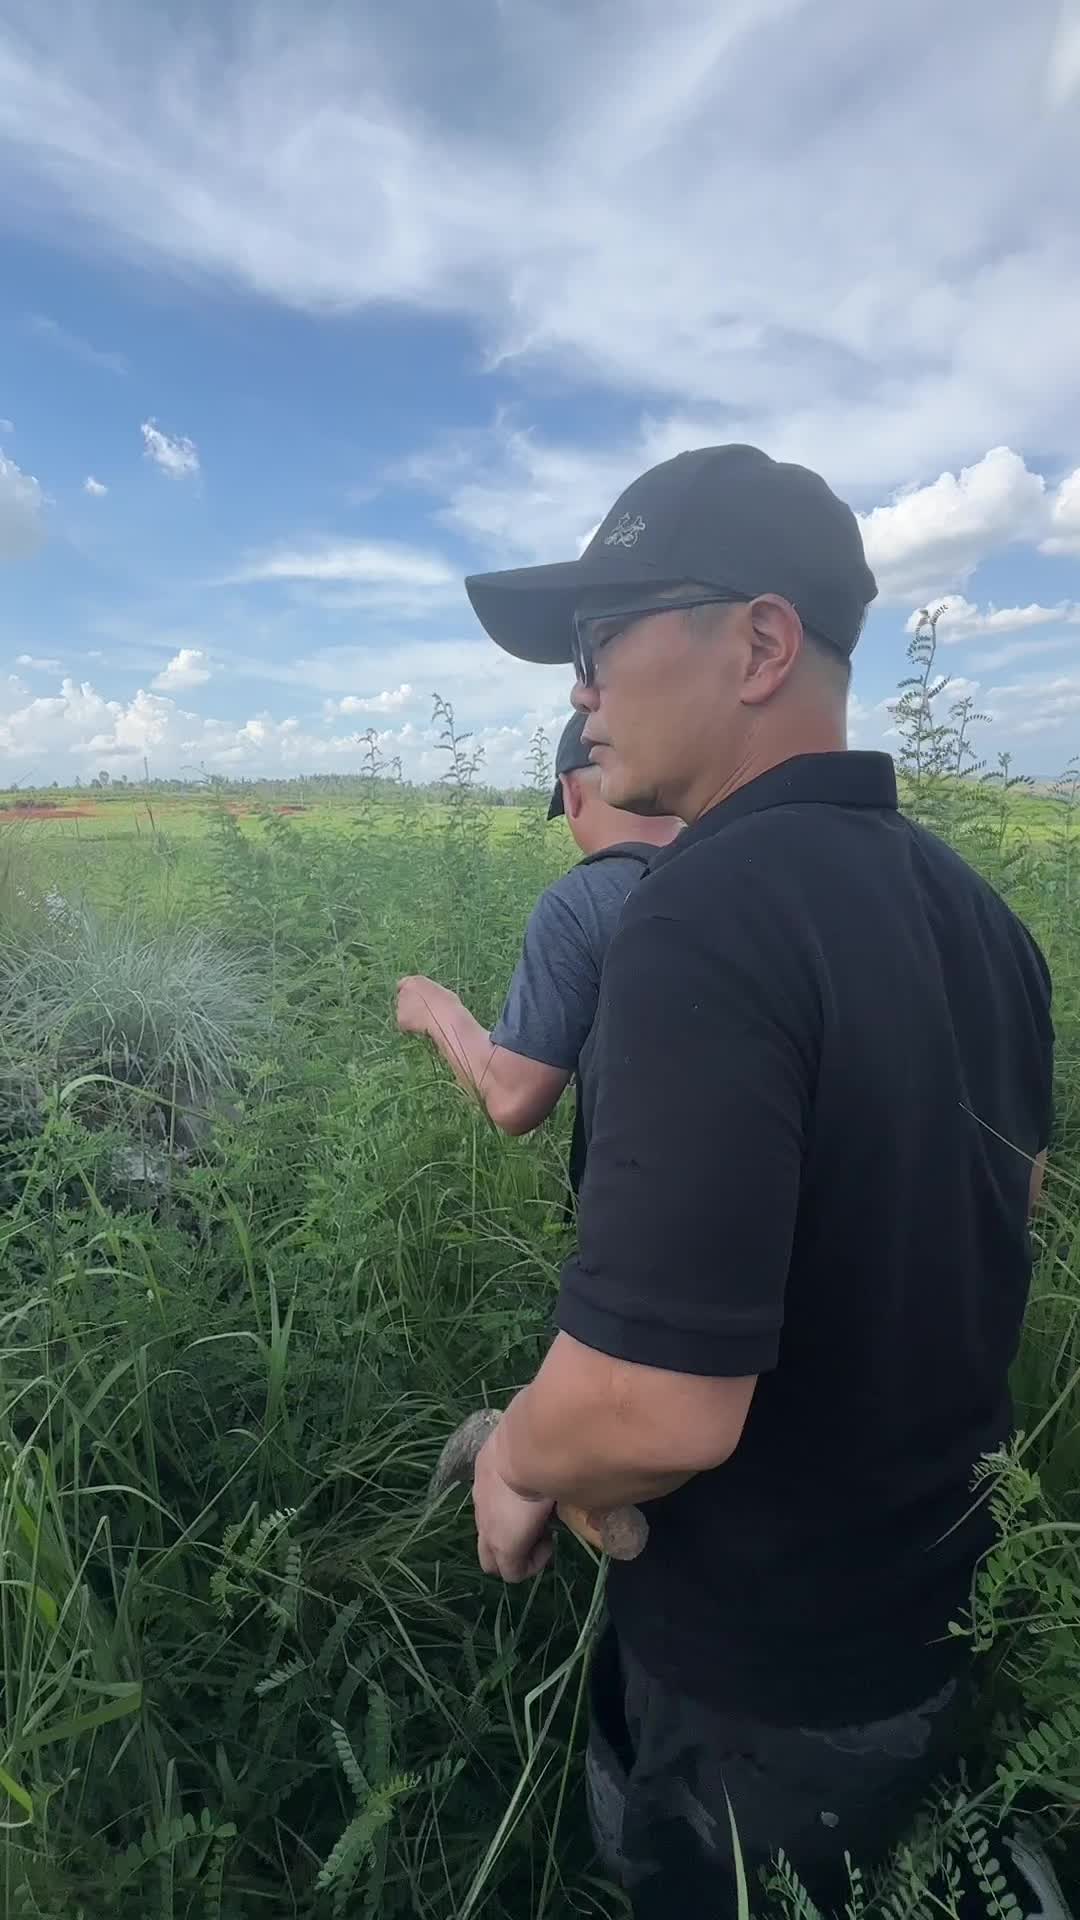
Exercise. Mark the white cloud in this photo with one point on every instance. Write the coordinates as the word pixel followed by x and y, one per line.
pixel 959 687
pixel 1063 78
pixel 1064 533
pixel 7 426
pixel 960 620
pixel 933 537
pixel 378 577
pixel 513 495
pixel 96 487
pixel 389 702
pixel 190 667
pixel 79 722
pixel 356 562
pixel 75 345
pixel 516 497
pixel 1016 650
pixel 78 730
pixel 1038 703
pixel 861 337
pixel 22 504
pixel 483 683
pixel 174 454
pixel 35 664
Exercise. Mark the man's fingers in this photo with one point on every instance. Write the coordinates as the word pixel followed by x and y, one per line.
pixel 488 1562
pixel 513 1568
pixel 538 1558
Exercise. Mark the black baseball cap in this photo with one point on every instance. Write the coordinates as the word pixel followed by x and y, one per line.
pixel 724 517
pixel 571 756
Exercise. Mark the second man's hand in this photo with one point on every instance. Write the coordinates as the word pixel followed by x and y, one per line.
pixel 422 1004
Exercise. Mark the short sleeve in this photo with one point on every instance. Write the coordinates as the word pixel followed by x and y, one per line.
pixel 704 1068
pixel 552 999
pixel 1040 993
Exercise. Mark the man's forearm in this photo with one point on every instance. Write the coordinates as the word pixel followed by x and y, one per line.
pixel 461 1040
pixel 600 1432
pixel 516 1091
pixel 579 1459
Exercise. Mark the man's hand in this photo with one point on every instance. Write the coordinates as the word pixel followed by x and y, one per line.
pixel 419 1003
pixel 513 1534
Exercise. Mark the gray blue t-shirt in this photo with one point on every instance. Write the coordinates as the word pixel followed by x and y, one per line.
pixel 552 1000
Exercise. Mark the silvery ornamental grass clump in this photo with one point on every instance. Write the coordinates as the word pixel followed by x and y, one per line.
pixel 173 1012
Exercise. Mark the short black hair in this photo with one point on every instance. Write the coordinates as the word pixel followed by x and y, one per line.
pixel 829 656
pixel 822 649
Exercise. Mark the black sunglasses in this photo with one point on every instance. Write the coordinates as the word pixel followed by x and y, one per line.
pixel 593 631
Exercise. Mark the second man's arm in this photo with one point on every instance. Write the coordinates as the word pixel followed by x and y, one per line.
pixel 516 1092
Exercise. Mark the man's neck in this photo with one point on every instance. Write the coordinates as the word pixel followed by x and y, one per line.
pixel 633 827
pixel 761 759
pixel 599 826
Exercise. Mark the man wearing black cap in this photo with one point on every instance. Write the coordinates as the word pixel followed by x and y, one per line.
pixel 822 1070
pixel 521 1068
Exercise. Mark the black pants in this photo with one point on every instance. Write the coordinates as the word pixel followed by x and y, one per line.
pixel 662 1769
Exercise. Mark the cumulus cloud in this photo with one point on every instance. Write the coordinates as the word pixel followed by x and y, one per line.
pixel 190 667
pixel 95 487
pixel 22 516
pixel 389 702
pixel 1064 533
pixel 174 454
pixel 79 730
pixel 885 351
pixel 78 721
pixel 516 497
pixel 933 537
pixel 35 664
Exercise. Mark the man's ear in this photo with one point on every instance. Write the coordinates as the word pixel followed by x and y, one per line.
pixel 776 643
pixel 573 797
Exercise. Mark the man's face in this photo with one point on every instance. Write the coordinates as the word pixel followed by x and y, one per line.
pixel 664 706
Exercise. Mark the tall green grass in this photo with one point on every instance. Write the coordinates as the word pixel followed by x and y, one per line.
pixel 246 1670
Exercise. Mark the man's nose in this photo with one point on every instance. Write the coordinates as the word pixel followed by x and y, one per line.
pixel 583 699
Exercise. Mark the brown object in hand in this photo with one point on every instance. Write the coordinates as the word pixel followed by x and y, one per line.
pixel 621 1532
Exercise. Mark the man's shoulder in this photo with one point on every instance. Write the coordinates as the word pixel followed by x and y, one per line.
pixel 701 879
pixel 995 916
pixel 596 883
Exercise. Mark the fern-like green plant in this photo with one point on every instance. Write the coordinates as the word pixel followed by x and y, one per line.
pixel 376 1792
pixel 1045 1761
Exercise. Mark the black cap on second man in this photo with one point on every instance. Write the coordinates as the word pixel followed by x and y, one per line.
pixel 571 756
pixel 726 517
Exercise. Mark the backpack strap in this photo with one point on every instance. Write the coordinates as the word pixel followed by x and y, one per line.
pixel 643 852
pixel 639 850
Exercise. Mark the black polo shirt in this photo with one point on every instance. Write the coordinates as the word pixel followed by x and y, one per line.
pixel 823 1067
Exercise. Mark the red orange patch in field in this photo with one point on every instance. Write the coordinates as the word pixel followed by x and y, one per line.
pixel 48 813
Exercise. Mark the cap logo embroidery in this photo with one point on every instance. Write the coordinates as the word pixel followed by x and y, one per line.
pixel 625 531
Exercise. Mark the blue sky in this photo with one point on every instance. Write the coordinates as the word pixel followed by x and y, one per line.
pixel 304 313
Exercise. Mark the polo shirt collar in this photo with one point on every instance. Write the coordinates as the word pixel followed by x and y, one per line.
pixel 811 779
